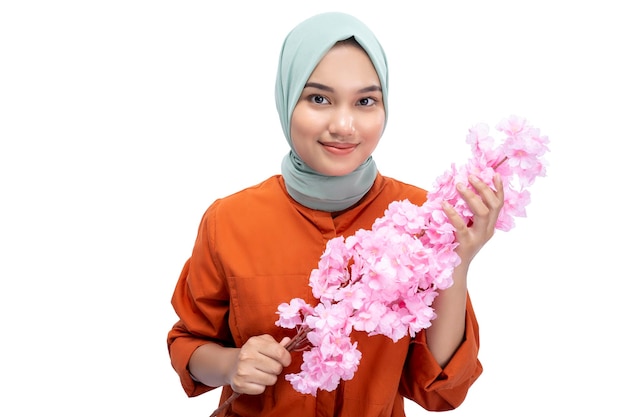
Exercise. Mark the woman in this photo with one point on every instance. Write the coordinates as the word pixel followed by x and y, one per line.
pixel 256 248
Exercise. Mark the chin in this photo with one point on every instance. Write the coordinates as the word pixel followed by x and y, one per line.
pixel 337 172
pixel 336 168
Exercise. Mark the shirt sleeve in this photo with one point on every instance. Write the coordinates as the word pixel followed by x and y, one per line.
pixel 437 389
pixel 201 301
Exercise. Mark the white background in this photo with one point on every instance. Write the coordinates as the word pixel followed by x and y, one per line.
pixel 121 121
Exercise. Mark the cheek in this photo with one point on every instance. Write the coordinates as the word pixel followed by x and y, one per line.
pixel 373 127
pixel 305 126
pixel 298 129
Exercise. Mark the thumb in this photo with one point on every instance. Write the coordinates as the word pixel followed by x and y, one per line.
pixel 285 341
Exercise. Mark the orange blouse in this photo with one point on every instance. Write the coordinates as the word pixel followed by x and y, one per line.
pixel 255 250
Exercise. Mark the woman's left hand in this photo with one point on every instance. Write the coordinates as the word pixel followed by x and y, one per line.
pixel 485 204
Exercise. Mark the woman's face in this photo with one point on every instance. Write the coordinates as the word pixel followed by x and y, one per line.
pixel 339 118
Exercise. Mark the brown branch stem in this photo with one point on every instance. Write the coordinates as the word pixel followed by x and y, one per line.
pixel 500 163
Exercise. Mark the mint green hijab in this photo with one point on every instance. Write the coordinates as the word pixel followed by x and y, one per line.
pixel 302 50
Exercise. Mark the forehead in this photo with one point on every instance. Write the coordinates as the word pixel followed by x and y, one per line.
pixel 345 61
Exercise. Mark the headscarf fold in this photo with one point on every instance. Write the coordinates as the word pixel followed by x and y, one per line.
pixel 302 50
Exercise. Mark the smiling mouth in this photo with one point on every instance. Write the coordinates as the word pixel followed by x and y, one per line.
pixel 339 148
pixel 339 145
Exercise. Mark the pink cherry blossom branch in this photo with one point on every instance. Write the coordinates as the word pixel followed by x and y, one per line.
pixel 384 280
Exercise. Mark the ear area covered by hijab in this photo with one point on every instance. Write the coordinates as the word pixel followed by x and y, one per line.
pixel 303 48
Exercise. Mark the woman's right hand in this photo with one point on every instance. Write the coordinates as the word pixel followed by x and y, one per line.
pixel 258 364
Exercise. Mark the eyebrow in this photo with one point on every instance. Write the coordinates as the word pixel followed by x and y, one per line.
pixel 331 90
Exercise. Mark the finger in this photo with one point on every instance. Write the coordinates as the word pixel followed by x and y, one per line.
pixel 492 199
pixel 285 355
pixel 473 200
pixel 275 351
pixel 455 218
pixel 258 370
pixel 253 384
pixel 497 181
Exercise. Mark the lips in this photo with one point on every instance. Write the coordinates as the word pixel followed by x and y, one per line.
pixel 339 148
pixel 339 145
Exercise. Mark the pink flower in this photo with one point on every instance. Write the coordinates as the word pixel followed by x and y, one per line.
pixel 290 315
pixel 367 319
pixel 353 296
pixel 511 125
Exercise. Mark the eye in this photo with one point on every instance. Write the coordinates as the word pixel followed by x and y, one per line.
pixel 318 99
pixel 367 101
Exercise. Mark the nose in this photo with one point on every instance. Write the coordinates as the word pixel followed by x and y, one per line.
pixel 342 123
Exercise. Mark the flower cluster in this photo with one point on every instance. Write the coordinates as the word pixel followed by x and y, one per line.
pixel 384 280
